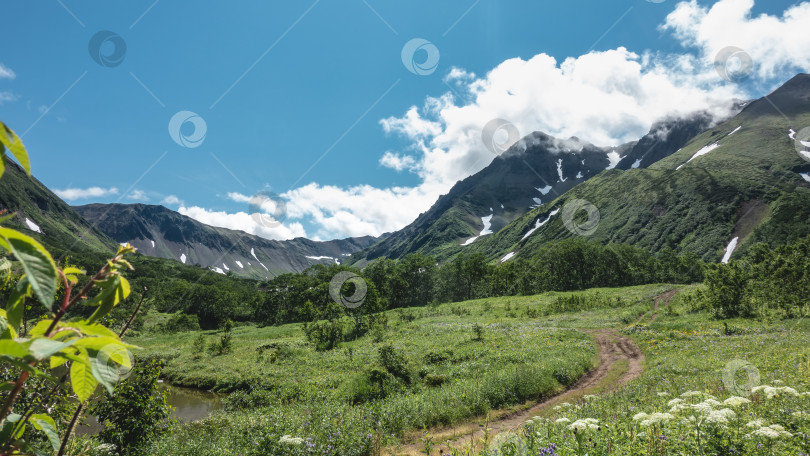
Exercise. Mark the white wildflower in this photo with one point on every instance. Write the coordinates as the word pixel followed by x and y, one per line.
pixel 736 401
pixel 563 405
pixel 663 394
pixel 801 414
pixel 590 397
pixel 773 431
pixel 720 416
pixel 585 424
pixel 755 424
pixel 692 394
pixel 640 416
pixel 562 421
pixel 290 440
pixel 674 402
pixel 657 418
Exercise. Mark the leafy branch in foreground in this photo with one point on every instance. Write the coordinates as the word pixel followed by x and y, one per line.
pixel 90 352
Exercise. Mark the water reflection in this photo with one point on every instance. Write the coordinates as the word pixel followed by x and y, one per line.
pixel 189 405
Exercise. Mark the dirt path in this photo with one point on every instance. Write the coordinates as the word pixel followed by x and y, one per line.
pixel 662 299
pixel 620 361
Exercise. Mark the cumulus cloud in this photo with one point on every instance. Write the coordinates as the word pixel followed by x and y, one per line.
pixel 71 194
pixel 397 161
pixel 603 97
pixel 777 45
pixel 6 72
pixel 138 195
pixel 243 221
pixel 171 200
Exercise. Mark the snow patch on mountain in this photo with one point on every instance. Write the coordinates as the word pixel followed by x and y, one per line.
pixel 226 267
pixel 218 270
pixel 579 175
pixel 254 255
pixel 636 164
pixel 614 159
pixel 183 258
pixel 507 257
pixel 560 171
pixel 805 176
pixel 538 223
pixel 792 134
pixel 153 243
pixel 239 263
pixel 735 131
pixel 487 221
pixel 700 153
pixel 544 190
pixel 32 226
pixel 729 250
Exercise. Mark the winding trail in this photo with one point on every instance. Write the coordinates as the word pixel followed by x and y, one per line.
pixel 620 361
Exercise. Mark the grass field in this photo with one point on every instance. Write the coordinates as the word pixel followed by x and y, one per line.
pixel 533 346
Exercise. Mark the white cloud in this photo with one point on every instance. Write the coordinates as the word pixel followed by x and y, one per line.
pixel 171 200
pixel 777 45
pixel 7 96
pixel 238 197
pixel 6 72
pixel 70 194
pixel 397 161
pixel 138 195
pixel 606 98
pixel 244 222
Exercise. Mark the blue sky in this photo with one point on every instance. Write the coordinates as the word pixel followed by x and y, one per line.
pixel 283 86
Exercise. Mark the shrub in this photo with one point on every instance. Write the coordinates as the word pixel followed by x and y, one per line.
pixel 394 362
pixel 180 322
pixel 136 412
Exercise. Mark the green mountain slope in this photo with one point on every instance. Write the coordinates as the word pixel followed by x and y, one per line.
pixel 740 179
pixel 536 170
pixel 43 215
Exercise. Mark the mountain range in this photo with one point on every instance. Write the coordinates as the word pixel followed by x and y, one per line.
pixel 693 183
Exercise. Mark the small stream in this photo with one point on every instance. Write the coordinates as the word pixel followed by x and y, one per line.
pixel 189 405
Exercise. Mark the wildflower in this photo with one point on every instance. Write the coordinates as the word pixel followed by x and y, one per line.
pixel 801 414
pixel 640 416
pixel 736 401
pixel 774 391
pixel 674 402
pixel 720 416
pixel 590 397
pixel 562 421
pixel 563 405
pixel 756 424
pixel 290 440
pixel 657 418
pixel 773 431
pixel 662 394
pixel 585 424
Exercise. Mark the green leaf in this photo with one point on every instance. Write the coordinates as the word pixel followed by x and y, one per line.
pixel 6 331
pixel 43 348
pixel 101 343
pixel 40 270
pixel 105 371
pixel 15 146
pixel 40 328
pixel 82 380
pixel 16 303
pixel 45 423
pixel 93 329
pixel 13 349
pixel 113 290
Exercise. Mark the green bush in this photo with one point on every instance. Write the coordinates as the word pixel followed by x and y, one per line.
pixel 137 411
